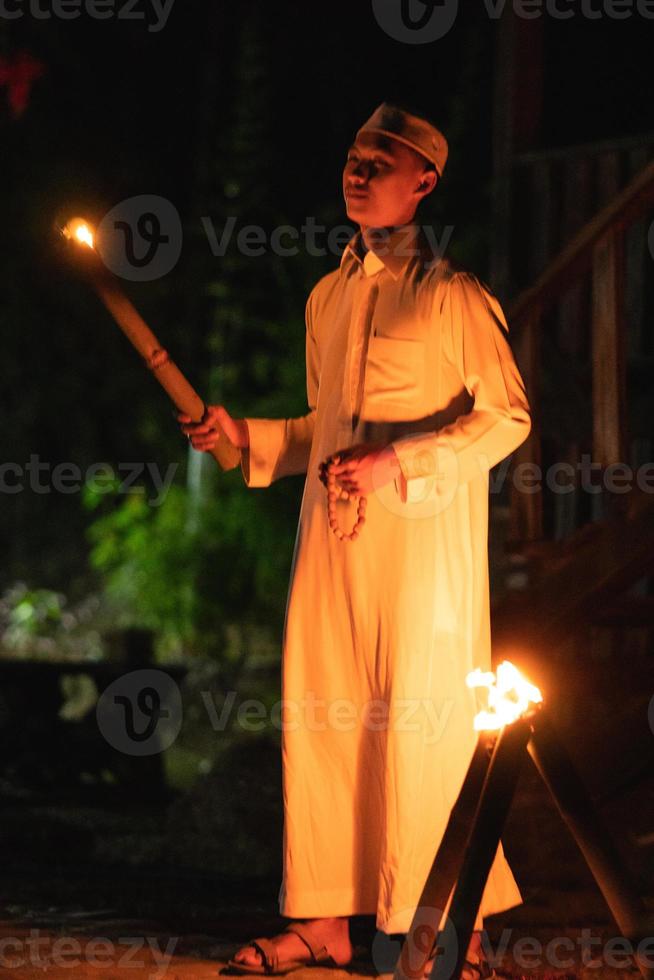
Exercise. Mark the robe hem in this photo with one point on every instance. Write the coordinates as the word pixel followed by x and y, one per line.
pixel 333 903
pixel 326 903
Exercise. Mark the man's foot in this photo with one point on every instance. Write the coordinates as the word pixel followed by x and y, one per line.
pixel 291 948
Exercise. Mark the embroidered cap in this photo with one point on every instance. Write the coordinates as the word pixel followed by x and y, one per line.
pixel 415 132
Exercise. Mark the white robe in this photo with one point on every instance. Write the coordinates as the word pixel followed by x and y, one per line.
pixel 381 632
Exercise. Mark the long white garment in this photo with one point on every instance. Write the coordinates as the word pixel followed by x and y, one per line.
pixel 381 632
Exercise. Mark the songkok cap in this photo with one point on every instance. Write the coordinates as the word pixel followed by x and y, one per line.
pixel 415 132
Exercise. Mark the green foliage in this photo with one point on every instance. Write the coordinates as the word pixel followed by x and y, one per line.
pixel 190 569
pixel 40 624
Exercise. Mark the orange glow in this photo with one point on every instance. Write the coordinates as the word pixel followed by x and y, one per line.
pixel 510 695
pixel 80 230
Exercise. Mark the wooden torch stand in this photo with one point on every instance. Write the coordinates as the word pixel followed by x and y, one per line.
pixel 469 844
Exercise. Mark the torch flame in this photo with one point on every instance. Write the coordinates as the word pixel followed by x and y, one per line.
pixel 510 695
pixel 79 230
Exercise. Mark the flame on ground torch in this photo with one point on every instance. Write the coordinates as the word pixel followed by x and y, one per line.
pixel 80 231
pixel 510 695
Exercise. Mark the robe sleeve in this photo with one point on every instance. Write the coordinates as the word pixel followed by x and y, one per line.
pixel 475 338
pixel 281 447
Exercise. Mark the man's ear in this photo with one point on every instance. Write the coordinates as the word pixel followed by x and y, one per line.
pixel 428 181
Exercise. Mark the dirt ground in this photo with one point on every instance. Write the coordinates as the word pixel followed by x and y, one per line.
pixel 74 944
pixel 104 923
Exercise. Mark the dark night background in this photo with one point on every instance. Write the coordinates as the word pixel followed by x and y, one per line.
pixel 263 94
pixel 241 110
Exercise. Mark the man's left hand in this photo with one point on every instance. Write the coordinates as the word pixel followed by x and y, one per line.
pixel 363 468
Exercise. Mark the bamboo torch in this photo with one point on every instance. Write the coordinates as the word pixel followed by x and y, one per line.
pixel 79 235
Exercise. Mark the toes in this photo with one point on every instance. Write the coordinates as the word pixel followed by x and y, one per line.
pixel 249 955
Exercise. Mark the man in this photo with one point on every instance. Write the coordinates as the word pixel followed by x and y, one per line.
pixel 413 395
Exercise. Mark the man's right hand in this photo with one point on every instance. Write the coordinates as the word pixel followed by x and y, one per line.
pixel 205 434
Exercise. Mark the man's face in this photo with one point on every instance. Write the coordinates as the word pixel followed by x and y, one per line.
pixel 384 181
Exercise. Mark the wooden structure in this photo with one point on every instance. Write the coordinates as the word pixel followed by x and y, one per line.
pixel 574 246
pixel 467 849
pixel 583 292
pixel 573 263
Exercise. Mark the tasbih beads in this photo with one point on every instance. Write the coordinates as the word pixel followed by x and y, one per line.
pixel 333 494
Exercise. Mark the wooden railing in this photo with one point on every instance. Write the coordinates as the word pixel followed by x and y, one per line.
pixel 555 192
pixel 588 277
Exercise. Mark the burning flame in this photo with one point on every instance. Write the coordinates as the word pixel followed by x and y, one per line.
pixel 79 230
pixel 510 695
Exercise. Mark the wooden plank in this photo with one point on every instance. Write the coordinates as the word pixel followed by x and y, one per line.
pixel 542 217
pixel 526 509
pixel 630 204
pixel 608 177
pixel 528 94
pixel 533 628
pixel 517 113
pixel 577 209
pixel 637 258
pixel 565 503
pixel 504 87
pixel 608 352
pixel 642 143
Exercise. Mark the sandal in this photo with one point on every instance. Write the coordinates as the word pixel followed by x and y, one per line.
pixel 479 969
pixel 311 933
